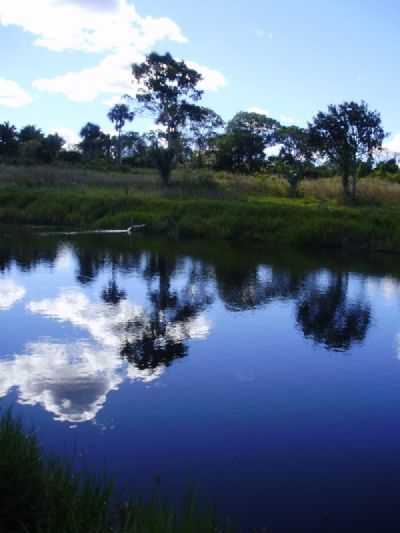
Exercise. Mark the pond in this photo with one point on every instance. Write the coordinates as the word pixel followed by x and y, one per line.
pixel 269 381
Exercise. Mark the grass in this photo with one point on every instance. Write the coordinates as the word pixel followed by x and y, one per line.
pixel 39 495
pixel 213 206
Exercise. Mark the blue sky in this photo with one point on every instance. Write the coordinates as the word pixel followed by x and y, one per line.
pixel 64 62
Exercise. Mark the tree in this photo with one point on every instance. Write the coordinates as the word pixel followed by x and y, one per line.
pixel 242 147
pixel 387 167
pixel 8 140
pixel 203 129
pixel 30 133
pixel 295 156
pixel 169 90
pixel 134 148
pixel 94 142
pixel 50 147
pixel 119 115
pixel 347 135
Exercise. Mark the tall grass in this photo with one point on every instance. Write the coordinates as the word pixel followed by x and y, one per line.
pixel 184 182
pixel 295 223
pixel 38 495
pixel 194 183
pixel 371 190
pixel 204 204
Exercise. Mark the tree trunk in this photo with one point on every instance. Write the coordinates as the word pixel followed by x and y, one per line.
pixel 119 147
pixel 164 160
pixel 346 187
pixel 353 187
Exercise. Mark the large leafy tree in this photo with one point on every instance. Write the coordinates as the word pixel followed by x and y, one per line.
pixel 296 155
pixel 169 89
pixel 119 115
pixel 8 140
pixel 347 135
pixel 51 147
pixel 94 142
pixel 242 147
pixel 203 130
pixel 30 133
pixel 134 148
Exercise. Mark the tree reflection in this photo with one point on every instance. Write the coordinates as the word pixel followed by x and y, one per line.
pixel 325 312
pixel 160 336
pixel 328 317
pixel 179 290
pixel 249 286
pixel 28 251
pixel 112 294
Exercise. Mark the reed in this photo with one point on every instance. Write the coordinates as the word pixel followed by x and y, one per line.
pixel 41 495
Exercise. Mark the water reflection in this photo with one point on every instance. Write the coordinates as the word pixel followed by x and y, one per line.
pixel 116 339
pixel 122 341
pixel 329 317
pixel 10 293
pixel 174 315
pixel 72 379
pixel 325 311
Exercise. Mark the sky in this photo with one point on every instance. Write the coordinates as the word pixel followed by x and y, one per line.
pixel 65 62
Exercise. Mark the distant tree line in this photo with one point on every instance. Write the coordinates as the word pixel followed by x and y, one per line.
pixel 343 140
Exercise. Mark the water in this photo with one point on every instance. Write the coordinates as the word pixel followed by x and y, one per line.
pixel 270 381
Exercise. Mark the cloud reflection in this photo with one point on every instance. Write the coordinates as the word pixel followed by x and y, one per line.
pixel 72 380
pixel 10 293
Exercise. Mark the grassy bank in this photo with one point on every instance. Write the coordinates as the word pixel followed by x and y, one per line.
pixel 298 223
pixel 45 496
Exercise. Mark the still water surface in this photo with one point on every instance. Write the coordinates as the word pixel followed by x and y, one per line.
pixel 270 381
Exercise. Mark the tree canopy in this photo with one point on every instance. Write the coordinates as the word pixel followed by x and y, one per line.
pixel 242 147
pixel 347 134
pixel 169 90
pixel 119 115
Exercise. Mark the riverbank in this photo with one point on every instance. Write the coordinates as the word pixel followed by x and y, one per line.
pixel 298 223
pixel 45 495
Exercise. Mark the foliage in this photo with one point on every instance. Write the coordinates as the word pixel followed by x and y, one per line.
pixel 40 495
pixel 119 115
pixel 269 221
pixel 387 167
pixel 347 134
pixel 8 141
pixel 94 142
pixel 169 90
pixel 30 133
pixel 296 156
pixel 242 147
pixel 203 130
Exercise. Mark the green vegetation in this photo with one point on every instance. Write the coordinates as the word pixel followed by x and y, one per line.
pixel 346 140
pixel 39 495
pixel 213 209
pixel 325 186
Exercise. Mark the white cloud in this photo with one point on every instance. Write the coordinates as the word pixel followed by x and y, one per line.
pixel 85 26
pixel 212 79
pixel 111 76
pixel 259 110
pixel 99 5
pixel 393 143
pixel 112 27
pixel 12 95
pixel 72 380
pixel 287 120
pixel 69 135
pixel 10 293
